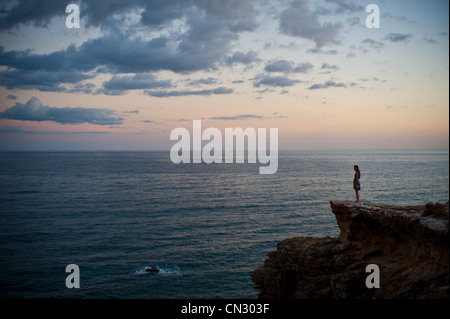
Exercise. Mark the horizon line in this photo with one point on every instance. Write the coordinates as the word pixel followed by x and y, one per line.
pixel 168 150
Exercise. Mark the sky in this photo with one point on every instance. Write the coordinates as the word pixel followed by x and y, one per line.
pixel 135 70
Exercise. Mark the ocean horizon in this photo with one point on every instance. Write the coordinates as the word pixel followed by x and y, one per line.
pixel 205 226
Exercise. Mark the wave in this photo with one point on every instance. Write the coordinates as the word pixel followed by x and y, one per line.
pixel 164 270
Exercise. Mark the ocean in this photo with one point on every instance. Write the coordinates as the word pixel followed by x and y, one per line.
pixel 205 226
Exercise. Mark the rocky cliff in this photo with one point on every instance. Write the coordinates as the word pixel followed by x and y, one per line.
pixel 409 244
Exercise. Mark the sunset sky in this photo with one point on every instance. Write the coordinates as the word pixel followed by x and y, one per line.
pixel 137 69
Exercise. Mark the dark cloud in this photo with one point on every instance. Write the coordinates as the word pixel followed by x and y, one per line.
pixel 33 110
pixel 237 117
pixel 37 13
pixel 327 85
pixel 398 37
pixel 207 41
pixel 285 66
pixel 112 53
pixel 120 54
pixel 201 44
pixel 206 92
pixel 136 82
pixel 279 81
pixel 40 80
pixel 19 130
pixel 238 13
pixel 243 58
pixel 66 60
pixel 161 11
pixel 279 66
pixel 105 13
pixel 299 21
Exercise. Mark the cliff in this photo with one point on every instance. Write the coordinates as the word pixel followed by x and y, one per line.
pixel 409 244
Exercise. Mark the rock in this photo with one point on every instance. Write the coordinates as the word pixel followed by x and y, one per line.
pixel 152 269
pixel 410 248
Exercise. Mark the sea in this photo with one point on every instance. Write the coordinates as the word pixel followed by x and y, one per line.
pixel 205 226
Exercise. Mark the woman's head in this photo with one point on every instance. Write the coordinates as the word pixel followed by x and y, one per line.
pixel 356 168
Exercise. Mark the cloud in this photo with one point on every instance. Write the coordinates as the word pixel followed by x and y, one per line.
pixel 277 115
pixel 206 92
pixel 299 21
pixel 303 68
pixel 107 13
pixel 320 51
pixel 19 130
pixel 326 66
pixel 40 79
pixel 398 18
pixel 178 120
pixel 38 13
pixel 118 84
pixel 398 37
pixel 139 55
pixel 159 12
pixel 344 6
pixel 427 39
pixel 33 110
pixel 237 117
pixel 377 45
pixel 87 88
pixel 354 21
pixel 243 58
pixel 279 66
pixel 327 85
pixel 285 66
pixel 59 61
pixel 206 81
pixel 111 53
pixel 280 81
pixel 201 42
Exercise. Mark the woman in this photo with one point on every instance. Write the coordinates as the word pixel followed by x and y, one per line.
pixel 356 185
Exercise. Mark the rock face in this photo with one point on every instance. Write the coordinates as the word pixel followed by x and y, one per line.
pixel 410 248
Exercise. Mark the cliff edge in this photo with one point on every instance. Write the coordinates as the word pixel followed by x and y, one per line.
pixel 409 244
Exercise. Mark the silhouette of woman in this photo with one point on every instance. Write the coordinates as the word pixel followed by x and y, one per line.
pixel 356 184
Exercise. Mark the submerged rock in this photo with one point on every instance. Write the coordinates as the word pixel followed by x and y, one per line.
pixel 410 248
pixel 151 269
